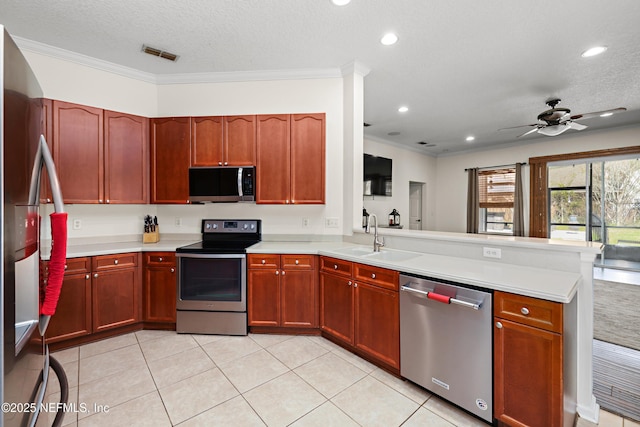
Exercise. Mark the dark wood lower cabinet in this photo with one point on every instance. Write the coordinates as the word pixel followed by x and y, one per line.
pixel 282 291
pixel 160 288
pixel 115 298
pixel 362 309
pixel 527 362
pixel 73 314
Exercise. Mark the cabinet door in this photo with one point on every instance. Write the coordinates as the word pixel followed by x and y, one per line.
pixel 263 297
pixel 377 323
pixel 73 313
pixel 115 298
pixel 159 294
pixel 239 141
pixel 273 166
pixel 206 141
pixel 528 389
pixel 47 131
pixel 170 140
pixel 126 177
pixel 308 158
pixel 298 289
pixel 79 152
pixel 336 306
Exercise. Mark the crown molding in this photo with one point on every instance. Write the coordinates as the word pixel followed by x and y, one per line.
pixel 181 78
pixel 355 67
pixel 88 61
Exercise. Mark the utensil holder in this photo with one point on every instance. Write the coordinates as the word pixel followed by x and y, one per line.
pixel 152 236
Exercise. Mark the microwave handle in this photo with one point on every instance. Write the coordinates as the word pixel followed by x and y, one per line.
pixel 240 182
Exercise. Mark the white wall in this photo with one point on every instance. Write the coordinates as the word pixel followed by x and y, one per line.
pixel 73 82
pixel 451 196
pixel 407 166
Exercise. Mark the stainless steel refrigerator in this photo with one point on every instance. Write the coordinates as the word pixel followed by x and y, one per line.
pixel 24 314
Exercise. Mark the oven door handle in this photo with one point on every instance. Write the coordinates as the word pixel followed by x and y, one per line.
pixel 240 182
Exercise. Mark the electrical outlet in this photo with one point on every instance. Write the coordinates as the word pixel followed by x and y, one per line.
pixel 492 252
pixel 332 222
pixel 305 222
pixel 77 224
pixel 178 221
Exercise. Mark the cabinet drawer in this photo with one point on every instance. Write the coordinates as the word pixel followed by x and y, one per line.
pixel 336 266
pixel 534 312
pixel 375 275
pixel 269 261
pixel 108 262
pixel 76 265
pixel 301 262
pixel 160 258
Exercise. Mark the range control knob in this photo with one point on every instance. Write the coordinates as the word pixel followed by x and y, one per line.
pixel 215 226
pixel 245 226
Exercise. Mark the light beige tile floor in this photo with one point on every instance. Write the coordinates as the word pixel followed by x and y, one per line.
pixel 160 378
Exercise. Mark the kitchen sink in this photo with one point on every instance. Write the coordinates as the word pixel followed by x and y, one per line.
pixel 385 255
pixel 392 255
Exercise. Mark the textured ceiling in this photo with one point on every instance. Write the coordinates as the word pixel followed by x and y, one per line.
pixel 462 67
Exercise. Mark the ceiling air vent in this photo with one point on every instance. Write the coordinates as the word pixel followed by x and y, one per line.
pixel 159 53
pixel 426 144
pixel 367 125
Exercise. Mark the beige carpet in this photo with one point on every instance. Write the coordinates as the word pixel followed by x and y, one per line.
pixel 616 310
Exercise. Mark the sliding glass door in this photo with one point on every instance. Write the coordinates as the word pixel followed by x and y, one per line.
pixel 598 200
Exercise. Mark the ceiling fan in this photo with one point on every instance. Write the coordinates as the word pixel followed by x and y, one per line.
pixel 557 120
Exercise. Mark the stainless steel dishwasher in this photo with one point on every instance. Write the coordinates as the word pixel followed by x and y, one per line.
pixel 446 342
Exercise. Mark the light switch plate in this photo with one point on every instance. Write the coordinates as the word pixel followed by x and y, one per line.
pixel 332 222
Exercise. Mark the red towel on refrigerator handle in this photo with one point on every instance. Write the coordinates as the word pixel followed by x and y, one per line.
pixel 57 261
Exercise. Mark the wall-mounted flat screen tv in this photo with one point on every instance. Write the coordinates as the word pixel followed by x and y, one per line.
pixel 377 176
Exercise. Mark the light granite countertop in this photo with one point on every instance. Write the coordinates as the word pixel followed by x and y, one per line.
pixel 558 286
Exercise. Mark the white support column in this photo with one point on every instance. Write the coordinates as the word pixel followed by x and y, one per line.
pixel 586 405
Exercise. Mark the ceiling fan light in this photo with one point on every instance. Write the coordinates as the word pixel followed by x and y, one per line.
pixel 470 138
pixel 554 130
pixel 606 114
pixel 596 50
pixel 341 2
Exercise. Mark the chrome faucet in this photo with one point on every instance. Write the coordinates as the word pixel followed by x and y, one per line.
pixel 377 244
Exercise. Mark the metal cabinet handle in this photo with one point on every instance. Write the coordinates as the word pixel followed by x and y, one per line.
pixel 160 259
pixel 498 325
pixel 355 285
pixel 48 200
pixel 66 266
pixel 297 262
pixel 95 275
pixel 293 202
pixel 277 272
pixel 525 311
pixel 335 266
pixel 173 270
pixel 108 201
pixel 87 277
pixel 219 163
pixel 264 262
pixel 286 202
pixel 283 272
pixel 100 201
pixel 349 283
pixel 115 262
pixel 373 275
pixel 226 163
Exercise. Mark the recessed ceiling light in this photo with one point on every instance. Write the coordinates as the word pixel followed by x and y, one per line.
pixel 341 2
pixel 389 39
pixel 597 50
pixel 403 109
pixel 470 138
pixel 606 114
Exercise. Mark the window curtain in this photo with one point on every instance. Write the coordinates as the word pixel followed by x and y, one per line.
pixel 518 214
pixel 473 201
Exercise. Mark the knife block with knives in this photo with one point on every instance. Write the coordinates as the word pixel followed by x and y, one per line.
pixel 151 230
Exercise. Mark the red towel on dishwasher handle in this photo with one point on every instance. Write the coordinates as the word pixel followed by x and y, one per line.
pixel 56 263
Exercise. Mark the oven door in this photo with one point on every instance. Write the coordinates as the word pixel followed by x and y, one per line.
pixel 212 282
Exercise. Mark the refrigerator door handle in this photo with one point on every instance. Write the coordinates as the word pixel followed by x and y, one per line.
pixel 58 231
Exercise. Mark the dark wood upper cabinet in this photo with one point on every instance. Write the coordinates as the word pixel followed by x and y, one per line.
pixel 126 158
pixel 239 141
pixel 273 171
pixel 79 152
pixel 290 159
pixel 206 141
pixel 170 159
pixel 308 158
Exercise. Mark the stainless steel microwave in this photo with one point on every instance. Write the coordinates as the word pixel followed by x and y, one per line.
pixel 222 184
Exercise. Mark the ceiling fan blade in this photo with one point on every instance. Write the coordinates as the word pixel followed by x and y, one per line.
pixel 577 126
pixel 516 127
pixel 531 131
pixel 597 113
